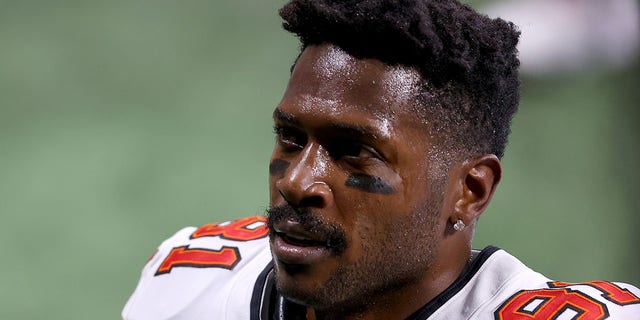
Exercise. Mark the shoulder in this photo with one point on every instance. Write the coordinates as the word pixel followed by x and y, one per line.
pixel 207 272
pixel 538 297
pixel 584 300
pixel 520 292
pixel 502 287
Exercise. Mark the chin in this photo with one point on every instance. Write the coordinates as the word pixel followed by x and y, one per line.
pixel 297 285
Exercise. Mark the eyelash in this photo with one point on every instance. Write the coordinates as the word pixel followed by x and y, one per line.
pixel 352 150
pixel 291 139
pixel 284 135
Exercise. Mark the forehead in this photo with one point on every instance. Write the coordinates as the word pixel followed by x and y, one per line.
pixel 327 79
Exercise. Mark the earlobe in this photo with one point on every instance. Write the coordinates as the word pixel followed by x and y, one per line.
pixel 479 180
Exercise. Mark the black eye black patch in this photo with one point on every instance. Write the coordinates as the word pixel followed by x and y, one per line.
pixel 368 183
pixel 278 167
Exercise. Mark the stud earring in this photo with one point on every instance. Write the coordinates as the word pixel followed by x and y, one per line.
pixel 459 225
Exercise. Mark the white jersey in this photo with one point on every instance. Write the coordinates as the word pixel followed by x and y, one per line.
pixel 225 271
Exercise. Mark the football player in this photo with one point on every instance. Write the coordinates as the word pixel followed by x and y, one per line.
pixel 389 137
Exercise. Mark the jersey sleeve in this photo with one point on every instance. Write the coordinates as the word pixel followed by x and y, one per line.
pixel 202 273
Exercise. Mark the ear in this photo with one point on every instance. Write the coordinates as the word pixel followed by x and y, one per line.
pixel 479 179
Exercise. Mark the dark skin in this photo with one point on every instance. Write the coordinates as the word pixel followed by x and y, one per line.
pixel 353 160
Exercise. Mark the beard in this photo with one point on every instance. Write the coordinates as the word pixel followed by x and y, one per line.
pixel 390 257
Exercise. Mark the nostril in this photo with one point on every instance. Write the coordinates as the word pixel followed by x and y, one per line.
pixel 312 202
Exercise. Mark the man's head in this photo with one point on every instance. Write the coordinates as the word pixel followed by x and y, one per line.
pixel 468 62
pixel 388 133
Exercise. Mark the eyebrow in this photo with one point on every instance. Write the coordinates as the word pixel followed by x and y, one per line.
pixel 353 130
pixel 342 129
pixel 281 116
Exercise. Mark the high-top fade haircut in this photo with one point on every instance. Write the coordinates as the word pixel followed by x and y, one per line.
pixel 468 62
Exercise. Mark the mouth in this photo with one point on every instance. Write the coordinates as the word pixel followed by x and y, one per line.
pixel 295 234
pixel 291 243
pixel 301 242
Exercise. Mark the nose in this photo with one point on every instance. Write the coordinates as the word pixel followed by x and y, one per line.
pixel 304 183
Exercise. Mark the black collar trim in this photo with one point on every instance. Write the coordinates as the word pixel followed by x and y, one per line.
pixel 263 297
pixel 468 272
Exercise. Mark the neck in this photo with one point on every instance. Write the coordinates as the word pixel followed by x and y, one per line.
pixel 402 303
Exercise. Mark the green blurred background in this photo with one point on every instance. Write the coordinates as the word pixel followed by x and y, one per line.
pixel 122 121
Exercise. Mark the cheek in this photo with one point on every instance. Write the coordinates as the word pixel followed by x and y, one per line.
pixel 278 167
pixel 380 180
pixel 374 238
pixel 369 183
pixel 273 193
pixel 370 198
pixel 277 170
pixel 367 216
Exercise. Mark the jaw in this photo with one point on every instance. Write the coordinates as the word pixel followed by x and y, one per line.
pixel 304 284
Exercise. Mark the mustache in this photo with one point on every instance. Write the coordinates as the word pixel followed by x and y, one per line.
pixel 335 236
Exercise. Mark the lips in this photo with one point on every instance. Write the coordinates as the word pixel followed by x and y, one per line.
pixel 295 234
pixel 293 244
pixel 301 242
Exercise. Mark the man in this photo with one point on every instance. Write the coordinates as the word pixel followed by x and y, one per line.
pixel 388 140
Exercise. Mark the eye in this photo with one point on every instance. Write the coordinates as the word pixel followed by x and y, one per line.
pixel 290 138
pixel 353 151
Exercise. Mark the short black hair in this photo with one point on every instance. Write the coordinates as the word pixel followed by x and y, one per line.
pixel 468 61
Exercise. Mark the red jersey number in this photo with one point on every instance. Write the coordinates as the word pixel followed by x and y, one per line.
pixel 560 300
pixel 610 291
pixel 547 304
pixel 244 229
pixel 238 230
pixel 227 258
